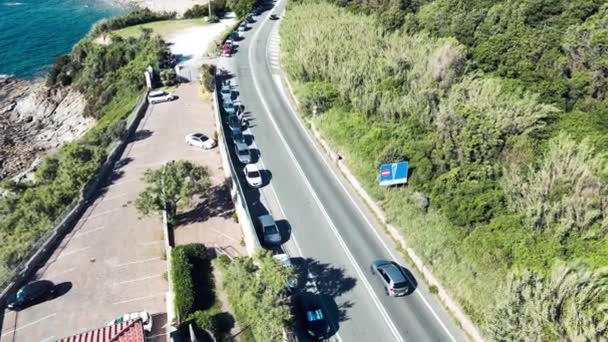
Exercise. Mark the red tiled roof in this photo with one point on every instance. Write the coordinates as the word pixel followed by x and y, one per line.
pixel 131 331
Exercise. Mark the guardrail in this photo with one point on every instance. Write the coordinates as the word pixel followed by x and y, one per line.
pixel 44 247
pixel 252 243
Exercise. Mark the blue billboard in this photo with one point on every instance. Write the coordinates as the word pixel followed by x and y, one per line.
pixel 394 173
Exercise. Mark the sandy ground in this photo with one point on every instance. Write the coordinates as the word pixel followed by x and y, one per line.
pixel 190 45
pixel 179 6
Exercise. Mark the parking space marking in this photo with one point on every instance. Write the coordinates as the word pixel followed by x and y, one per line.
pixel 137 279
pixel 110 198
pixel 103 213
pixel 27 325
pixel 72 252
pixel 140 298
pixel 85 232
pixel 54 275
pixel 149 243
pixel 137 262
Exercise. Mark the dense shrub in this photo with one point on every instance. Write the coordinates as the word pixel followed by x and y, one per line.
pixel 168 77
pixel 208 76
pixel 136 17
pixel 243 7
pixel 256 288
pixel 183 287
pixel 218 9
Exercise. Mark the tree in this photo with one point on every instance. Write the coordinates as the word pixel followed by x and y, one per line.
pixel 171 187
pixel 256 288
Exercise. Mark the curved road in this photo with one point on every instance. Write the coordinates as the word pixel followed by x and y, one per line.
pixel 330 231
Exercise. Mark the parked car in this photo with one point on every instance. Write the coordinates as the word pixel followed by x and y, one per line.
pixel 229 108
pixel 226 92
pixel 391 276
pixel 274 16
pixel 234 122
pixel 31 293
pixel 253 175
pixel 227 50
pixel 158 96
pixel 145 317
pixel 250 19
pixel 237 136
pixel 200 140
pixel 270 231
pixel 285 260
pixel 313 317
pixel 242 153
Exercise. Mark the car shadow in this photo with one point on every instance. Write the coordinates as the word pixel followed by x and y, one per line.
pixel 266 177
pixel 249 138
pixel 413 284
pixel 284 229
pixel 62 288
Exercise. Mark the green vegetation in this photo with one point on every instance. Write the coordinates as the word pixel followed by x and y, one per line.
pixel 139 16
pixel 208 76
pixel 194 289
pixel 502 117
pixel 171 187
pixel 243 7
pixel 257 290
pixel 218 9
pixel 161 28
pixel 111 79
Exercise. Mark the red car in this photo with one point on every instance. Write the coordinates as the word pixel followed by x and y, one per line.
pixel 227 50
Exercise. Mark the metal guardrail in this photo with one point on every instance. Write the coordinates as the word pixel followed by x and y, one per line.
pixel 44 246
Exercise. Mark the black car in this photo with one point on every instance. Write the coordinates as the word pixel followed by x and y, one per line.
pixel 313 317
pixel 274 16
pixel 32 293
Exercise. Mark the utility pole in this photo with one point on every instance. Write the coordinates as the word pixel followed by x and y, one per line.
pixel 209 4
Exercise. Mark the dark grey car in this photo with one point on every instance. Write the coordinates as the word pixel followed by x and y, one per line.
pixel 392 277
pixel 32 293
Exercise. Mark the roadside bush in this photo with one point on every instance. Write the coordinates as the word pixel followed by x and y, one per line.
pixel 183 287
pixel 242 7
pixel 168 77
pixel 320 94
pixel 218 9
pixel 208 76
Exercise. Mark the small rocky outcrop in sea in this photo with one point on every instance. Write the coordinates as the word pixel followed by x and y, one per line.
pixel 35 120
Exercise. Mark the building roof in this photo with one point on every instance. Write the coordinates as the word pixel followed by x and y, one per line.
pixel 131 331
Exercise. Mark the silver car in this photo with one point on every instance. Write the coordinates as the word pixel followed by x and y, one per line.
pixel 269 229
pixel 242 153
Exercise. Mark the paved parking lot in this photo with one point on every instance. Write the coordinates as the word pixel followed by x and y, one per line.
pixel 113 261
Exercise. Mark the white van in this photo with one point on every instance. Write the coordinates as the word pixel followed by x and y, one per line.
pixel 159 96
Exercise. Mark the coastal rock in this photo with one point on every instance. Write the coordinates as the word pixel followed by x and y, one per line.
pixel 34 120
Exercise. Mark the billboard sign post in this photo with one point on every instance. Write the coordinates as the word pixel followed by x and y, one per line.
pixel 394 173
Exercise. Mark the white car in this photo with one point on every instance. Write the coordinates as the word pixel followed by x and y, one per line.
pixel 284 260
pixel 159 96
pixel 226 92
pixel 242 153
pixel 200 140
pixel 253 175
pixel 145 316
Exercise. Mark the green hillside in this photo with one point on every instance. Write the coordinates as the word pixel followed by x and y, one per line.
pixel 500 107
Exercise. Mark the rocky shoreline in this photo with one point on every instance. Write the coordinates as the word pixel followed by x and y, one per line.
pixel 34 121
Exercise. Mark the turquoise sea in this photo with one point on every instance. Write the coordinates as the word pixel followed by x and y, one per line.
pixel 34 32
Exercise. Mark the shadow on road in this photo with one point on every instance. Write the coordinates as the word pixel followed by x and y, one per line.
pixel 62 288
pixel 141 135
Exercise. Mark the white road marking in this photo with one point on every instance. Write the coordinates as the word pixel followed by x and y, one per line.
pixel 140 298
pixel 136 280
pixel 27 325
pixel 351 258
pixel 88 231
pixel 103 213
pixel 277 80
pixel 137 262
pixel 110 198
pixel 72 252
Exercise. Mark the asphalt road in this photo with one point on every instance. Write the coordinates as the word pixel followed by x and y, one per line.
pixel 328 230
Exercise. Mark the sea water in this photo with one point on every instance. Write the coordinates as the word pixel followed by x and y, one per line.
pixel 33 33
